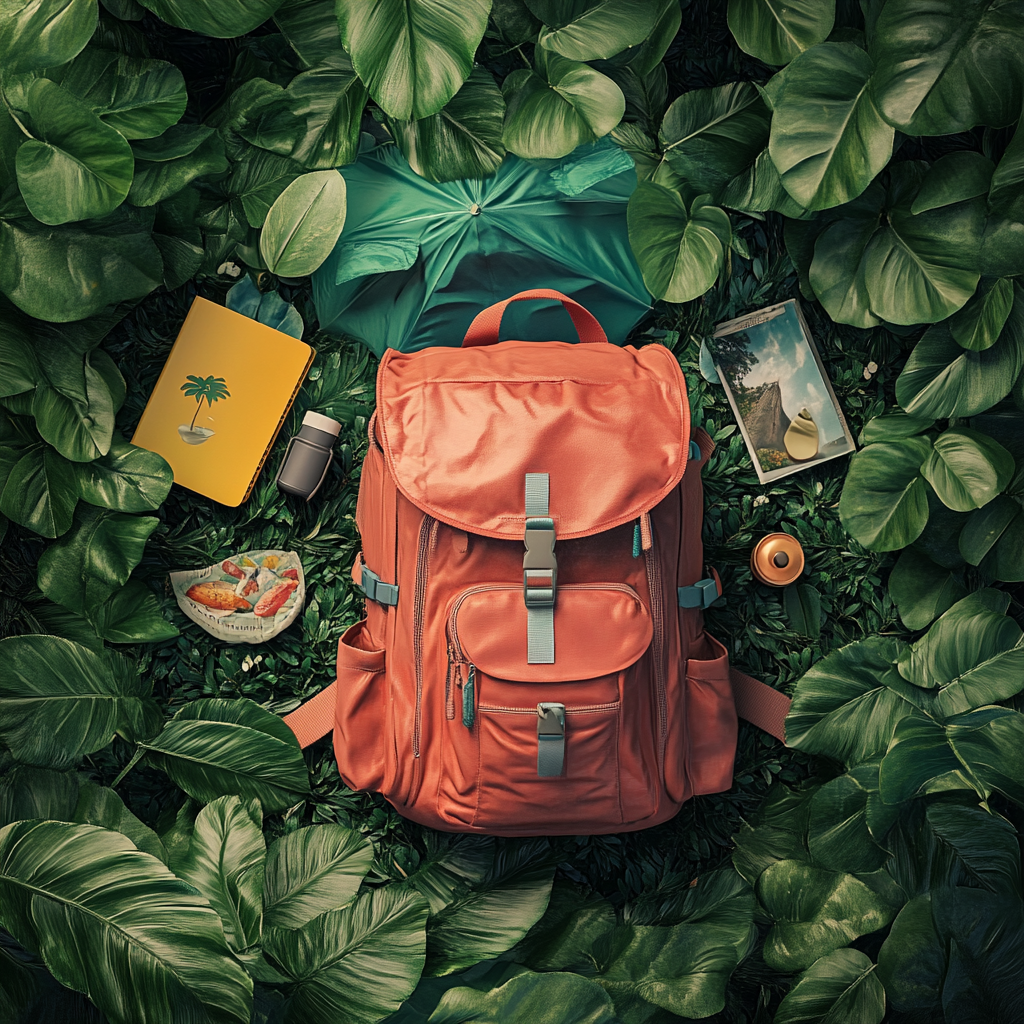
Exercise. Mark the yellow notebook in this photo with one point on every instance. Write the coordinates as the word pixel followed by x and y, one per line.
pixel 221 399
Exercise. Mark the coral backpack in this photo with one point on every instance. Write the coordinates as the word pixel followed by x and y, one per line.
pixel 533 659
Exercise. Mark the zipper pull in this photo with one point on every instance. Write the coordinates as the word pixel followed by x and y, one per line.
pixel 449 690
pixel 468 705
pixel 636 539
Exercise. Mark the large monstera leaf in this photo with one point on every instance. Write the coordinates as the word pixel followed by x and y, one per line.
pixel 114 923
pixel 222 19
pixel 947 65
pixel 557 107
pixel 777 32
pixel 828 139
pixel 413 55
pixel 593 29
pixel 680 251
pixel 878 260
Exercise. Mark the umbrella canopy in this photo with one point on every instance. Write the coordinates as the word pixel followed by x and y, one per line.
pixel 417 259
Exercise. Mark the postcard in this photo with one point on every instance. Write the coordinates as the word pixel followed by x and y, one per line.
pixel 779 392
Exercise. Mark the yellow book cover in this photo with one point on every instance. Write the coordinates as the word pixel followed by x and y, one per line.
pixel 220 400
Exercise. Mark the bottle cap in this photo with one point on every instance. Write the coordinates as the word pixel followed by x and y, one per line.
pixel 777 559
pixel 324 423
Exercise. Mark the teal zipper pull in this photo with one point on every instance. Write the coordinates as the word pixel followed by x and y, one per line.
pixel 636 539
pixel 468 704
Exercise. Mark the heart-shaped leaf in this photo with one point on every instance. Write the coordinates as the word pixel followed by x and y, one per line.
pixel 884 504
pixel 967 469
pixel 945 66
pixel 215 747
pixel 222 19
pixel 77 420
pixel 74 166
pixel 463 139
pixel 849 703
pixel 710 136
pixel 777 32
pixel 381 935
pixel 37 34
pixel 841 985
pixel 953 178
pixel 978 325
pixel 815 911
pixel 941 379
pixel 311 871
pixel 100 805
pixel 922 590
pixel 413 55
pixel 593 29
pixel 61 701
pixel 993 537
pixel 557 107
pixel 131 615
pixel 225 863
pixel 839 827
pixel 127 479
pixel 893 424
pixel 41 490
pixel 828 139
pixel 90 903
pixel 304 223
pixel 680 253
pixel 164 166
pixel 87 565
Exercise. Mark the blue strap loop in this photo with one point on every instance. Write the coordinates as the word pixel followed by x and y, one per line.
pixel 702 594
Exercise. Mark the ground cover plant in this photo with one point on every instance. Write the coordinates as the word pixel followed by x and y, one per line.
pixel 159 824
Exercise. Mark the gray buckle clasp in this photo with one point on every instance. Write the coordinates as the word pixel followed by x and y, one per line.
pixel 540 567
pixel 376 590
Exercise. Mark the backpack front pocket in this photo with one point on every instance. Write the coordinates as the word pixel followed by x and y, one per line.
pixel 547 748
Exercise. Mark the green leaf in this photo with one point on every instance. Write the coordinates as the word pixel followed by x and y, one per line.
pixel 88 564
pixel 893 424
pixel 28 792
pixel 777 833
pixel 538 998
pixel 140 98
pixel 919 760
pixel 225 863
pixel 489 918
pixel 37 34
pixel 114 923
pixel 215 747
pixel 131 615
pixel 978 847
pixel 266 307
pixel 967 469
pixel 646 57
pixel 311 28
pixel 315 121
pixel 815 911
pixel 61 701
pixel 222 19
pixel 127 478
pixel 841 985
pixel 884 504
pixel 413 55
pixel 75 166
pixel 561 940
pixel 710 136
pixel 978 325
pixel 944 66
pixel 304 223
pixel 849 703
pixel 922 590
pixel 828 139
pixel 680 254
pixel 311 871
pixel 380 936
pixel 78 421
pixel 450 866
pixel 990 742
pixel 100 805
pixel 71 272
pixel 593 29
pixel 557 107
pixel 941 379
pixel 839 835
pixel 41 491
pixel 953 178
pixel 164 166
pixel 777 32
pixel 993 537
pixel 463 139
pixel 803 609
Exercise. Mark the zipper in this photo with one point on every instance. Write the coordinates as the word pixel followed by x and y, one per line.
pixel 419 605
pixel 658 640
pixel 584 710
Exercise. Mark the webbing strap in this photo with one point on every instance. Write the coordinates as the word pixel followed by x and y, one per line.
pixel 760 704
pixel 539 573
pixel 315 718
pixel 550 739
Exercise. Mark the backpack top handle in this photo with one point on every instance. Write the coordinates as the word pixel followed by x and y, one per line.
pixel 484 328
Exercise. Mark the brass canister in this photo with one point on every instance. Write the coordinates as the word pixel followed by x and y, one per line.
pixel 777 559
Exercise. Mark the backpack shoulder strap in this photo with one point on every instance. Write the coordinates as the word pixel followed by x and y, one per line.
pixel 759 703
pixel 315 718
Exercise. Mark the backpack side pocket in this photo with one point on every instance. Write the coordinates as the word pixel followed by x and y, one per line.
pixel 360 710
pixel 710 717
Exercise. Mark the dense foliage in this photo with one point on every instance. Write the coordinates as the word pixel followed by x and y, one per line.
pixel 169 853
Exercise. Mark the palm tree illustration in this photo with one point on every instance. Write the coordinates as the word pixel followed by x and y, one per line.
pixel 213 389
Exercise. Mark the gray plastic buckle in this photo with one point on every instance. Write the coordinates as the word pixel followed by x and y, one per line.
pixel 550 739
pixel 375 590
pixel 540 567
pixel 700 595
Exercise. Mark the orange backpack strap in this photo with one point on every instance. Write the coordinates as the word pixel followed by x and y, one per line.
pixel 315 718
pixel 759 703
pixel 484 328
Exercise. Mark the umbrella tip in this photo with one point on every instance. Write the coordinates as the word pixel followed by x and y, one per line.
pixel 475 209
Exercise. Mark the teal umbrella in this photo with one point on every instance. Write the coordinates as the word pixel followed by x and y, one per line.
pixel 418 259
